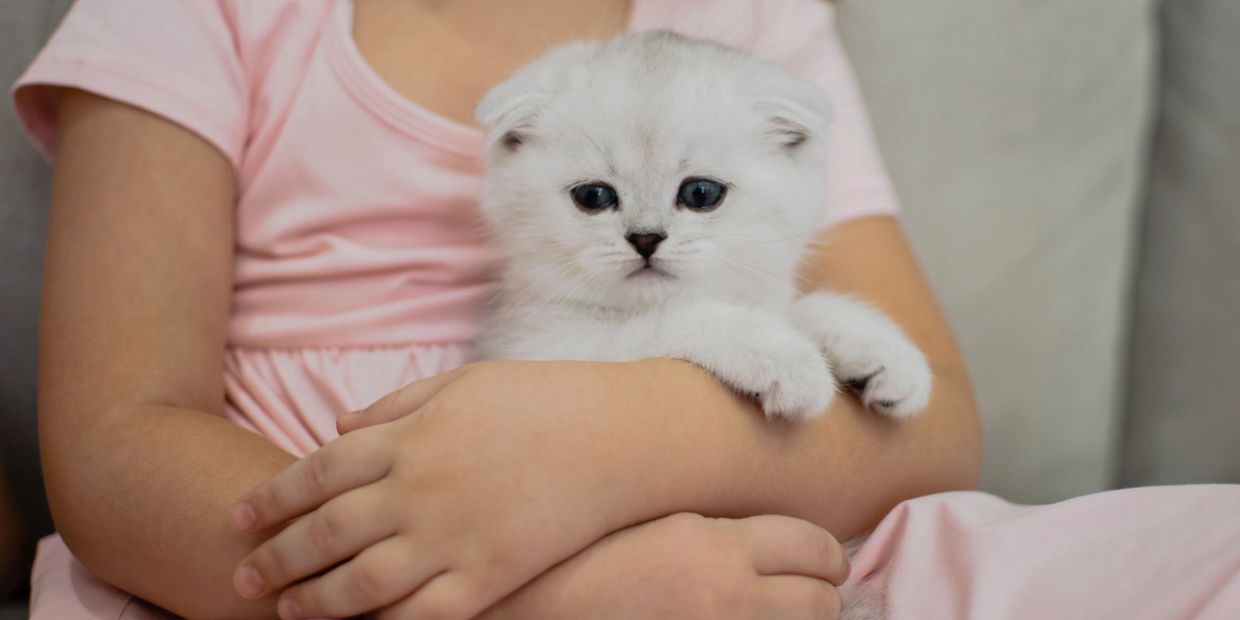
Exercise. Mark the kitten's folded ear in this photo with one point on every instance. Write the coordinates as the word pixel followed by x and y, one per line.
pixel 508 112
pixel 798 117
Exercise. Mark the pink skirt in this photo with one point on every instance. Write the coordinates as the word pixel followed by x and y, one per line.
pixel 1157 553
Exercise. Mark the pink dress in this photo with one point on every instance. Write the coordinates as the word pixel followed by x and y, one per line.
pixel 359 269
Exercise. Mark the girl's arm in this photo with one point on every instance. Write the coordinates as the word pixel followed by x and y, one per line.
pixel 845 469
pixel 716 454
pixel 140 463
pixel 844 473
pixel 560 453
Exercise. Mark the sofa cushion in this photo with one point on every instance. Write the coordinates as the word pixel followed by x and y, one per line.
pixel 1184 421
pixel 1014 131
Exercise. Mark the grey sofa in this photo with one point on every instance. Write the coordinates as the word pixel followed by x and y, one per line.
pixel 1070 173
pixel 1071 179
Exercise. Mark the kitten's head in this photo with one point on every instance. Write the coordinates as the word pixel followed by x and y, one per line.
pixel 626 171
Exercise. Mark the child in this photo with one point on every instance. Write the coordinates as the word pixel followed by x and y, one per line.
pixel 286 191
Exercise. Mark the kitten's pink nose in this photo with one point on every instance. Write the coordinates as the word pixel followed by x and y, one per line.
pixel 646 243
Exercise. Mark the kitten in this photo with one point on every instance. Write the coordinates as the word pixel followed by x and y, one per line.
pixel 651 196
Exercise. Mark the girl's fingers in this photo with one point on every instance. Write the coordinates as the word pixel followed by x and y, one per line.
pixel 396 404
pixel 380 575
pixel 344 464
pixel 786 546
pixel 793 597
pixel 335 532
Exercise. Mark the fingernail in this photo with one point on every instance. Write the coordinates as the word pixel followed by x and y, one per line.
pixel 347 421
pixel 243 516
pixel 248 582
pixel 288 610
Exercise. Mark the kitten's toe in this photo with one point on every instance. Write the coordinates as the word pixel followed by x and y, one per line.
pixel 800 386
pixel 868 352
pixel 891 377
pixel 765 357
pixel 798 400
pixel 788 376
pixel 899 388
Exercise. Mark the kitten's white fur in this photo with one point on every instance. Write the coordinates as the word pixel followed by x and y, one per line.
pixel 642 113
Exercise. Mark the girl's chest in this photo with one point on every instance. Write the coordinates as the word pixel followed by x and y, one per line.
pixel 445 55
pixel 374 144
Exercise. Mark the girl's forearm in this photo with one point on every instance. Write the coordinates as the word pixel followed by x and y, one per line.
pixel 709 451
pixel 689 444
pixel 144 504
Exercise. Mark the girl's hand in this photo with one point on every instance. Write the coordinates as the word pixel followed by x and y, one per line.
pixel 485 477
pixel 689 566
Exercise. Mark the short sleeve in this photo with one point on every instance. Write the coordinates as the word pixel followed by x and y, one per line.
pixel 175 58
pixel 801 36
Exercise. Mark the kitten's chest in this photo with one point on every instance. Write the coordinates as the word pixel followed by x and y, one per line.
pixel 540 333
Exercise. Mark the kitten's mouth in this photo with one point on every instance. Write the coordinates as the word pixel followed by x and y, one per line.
pixel 647 271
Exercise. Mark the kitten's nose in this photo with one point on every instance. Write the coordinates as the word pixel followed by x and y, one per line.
pixel 645 243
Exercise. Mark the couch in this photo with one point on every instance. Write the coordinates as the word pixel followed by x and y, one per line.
pixel 1070 174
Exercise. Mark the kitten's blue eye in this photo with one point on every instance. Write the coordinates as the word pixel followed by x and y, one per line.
pixel 701 194
pixel 594 197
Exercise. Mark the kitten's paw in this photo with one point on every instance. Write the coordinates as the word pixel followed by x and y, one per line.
pixel 778 366
pixel 889 374
pixel 793 383
pixel 868 352
pixel 754 352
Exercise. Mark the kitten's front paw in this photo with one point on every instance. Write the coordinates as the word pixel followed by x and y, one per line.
pixel 889 374
pixel 868 352
pixel 754 352
pixel 792 382
pixel 776 364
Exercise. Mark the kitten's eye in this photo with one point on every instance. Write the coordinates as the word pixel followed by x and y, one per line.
pixel 701 194
pixel 594 197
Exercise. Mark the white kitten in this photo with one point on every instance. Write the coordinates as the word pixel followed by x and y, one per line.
pixel 652 196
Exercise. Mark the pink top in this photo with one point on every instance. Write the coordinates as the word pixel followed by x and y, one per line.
pixel 358 208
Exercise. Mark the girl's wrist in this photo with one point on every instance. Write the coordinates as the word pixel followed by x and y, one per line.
pixel 676 427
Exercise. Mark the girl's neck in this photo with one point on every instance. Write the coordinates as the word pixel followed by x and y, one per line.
pixel 445 55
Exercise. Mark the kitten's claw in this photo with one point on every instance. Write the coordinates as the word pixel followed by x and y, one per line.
pixel 857 384
pixel 900 386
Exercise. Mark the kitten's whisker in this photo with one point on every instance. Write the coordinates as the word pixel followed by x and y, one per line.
pixel 731 261
pixel 523 290
pixel 771 276
pixel 577 293
pixel 739 287
pixel 748 238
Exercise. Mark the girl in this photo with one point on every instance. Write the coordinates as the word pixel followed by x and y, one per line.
pixel 286 190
